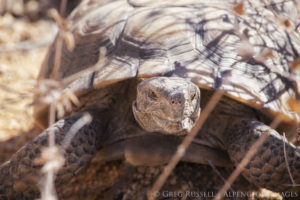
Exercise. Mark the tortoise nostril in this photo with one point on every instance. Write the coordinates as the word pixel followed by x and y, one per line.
pixel 193 96
pixel 176 102
pixel 177 98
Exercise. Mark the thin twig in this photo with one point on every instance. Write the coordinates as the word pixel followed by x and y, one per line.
pixel 49 192
pixel 240 167
pixel 219 174
pixel 25 46
pixel 63 35
pixel 82 121
pixel 63 7
pixel 52 121
pixel 55 160
pixel 57 58
pixel 185 144
pixel 286 161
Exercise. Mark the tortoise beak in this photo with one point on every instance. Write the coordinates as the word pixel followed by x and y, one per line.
pixel 187 124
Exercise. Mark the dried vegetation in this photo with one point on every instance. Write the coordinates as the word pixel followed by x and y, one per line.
pixel 22 50
pixel 23 46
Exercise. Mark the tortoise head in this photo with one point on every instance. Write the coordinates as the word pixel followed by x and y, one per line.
pixel 168 105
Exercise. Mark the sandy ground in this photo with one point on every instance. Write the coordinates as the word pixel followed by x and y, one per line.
pixel 23 46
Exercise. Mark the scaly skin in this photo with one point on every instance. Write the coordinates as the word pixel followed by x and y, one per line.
pixel 268 166
pixel 20 175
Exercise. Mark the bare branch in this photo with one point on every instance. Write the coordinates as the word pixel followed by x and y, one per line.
pixel 219 174
pixel 286 161
pixel 185 144
pixel 254 148
pixel 85 119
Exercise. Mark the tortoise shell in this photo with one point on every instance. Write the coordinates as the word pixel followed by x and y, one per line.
pixel 245 53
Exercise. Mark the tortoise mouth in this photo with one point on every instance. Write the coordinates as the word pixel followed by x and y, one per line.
pixel 180 127
pixel 152 122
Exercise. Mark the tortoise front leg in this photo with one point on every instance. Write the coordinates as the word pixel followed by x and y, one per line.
pixel 19 177
pixel 268 166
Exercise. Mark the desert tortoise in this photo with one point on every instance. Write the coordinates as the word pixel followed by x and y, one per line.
pixel 146 95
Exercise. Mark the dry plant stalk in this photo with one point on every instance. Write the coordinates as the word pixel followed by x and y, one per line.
pixel 63 35
pixel 219 174
pixel 61 99
pixel 184 145
pixel 63 7
pixel 286 162
pixel 52 160
pixel 240 167
pixel 84 120
pixel 48 189
pixel 56 160
pixel 254 148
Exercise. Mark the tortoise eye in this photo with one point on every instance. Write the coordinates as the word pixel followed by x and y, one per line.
pixel 152 95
